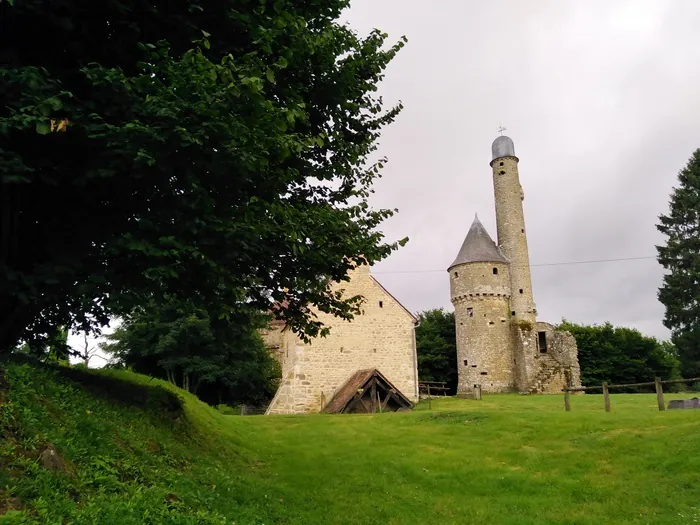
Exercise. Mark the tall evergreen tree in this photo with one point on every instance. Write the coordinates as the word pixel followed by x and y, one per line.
pixel 680 256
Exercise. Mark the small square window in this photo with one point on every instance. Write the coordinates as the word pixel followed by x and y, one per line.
pixel 495 271
pixel 521 290
pixel 470 312
pixel 465 363
pixel 500 163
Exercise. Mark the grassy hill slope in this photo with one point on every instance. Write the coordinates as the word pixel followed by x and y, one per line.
pixel 132 450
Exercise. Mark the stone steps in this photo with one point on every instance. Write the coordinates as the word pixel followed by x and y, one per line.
pixel 548 369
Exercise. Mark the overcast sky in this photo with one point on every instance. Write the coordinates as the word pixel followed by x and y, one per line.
pixel 602 100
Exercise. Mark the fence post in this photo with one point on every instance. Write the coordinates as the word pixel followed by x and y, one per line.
pixel 606 396
pixel 659 394
pixel 430 402
pixel 567 401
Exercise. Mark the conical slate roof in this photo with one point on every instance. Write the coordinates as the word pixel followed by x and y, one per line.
pixel 478 247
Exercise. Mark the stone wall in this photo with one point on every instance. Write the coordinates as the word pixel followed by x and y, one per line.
pixel 512 237
pixel 550 371
pixel 480 294
pixel 383 337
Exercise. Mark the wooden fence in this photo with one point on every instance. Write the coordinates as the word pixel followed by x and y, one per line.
pixel 430 388
pixel 658 383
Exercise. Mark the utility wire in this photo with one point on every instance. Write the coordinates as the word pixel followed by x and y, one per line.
pixel 535 265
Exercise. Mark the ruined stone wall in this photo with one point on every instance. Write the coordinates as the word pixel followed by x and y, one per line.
pixel 526 356
pixel 484 338
pixel 546 372
pixel 512 237
pixel 383 338
pixel 562 346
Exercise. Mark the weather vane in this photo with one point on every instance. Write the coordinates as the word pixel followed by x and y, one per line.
pixel 501 129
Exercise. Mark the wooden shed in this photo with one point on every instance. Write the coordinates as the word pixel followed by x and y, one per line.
pixel 367 391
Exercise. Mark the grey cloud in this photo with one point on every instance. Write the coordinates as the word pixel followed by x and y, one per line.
pixel 601 100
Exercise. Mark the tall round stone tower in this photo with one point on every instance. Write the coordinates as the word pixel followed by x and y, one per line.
pixel 510 221
pixel 480 292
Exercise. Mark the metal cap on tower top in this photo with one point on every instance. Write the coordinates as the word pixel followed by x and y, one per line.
pixel 502 147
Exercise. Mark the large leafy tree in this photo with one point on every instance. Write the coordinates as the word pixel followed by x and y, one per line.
pixel 620 355
pixel 680 256
pixel 212 150
pixel 436 345
pixel 215 359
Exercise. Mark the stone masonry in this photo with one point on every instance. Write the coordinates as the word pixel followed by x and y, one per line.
pixel 500 344
pixel 383 337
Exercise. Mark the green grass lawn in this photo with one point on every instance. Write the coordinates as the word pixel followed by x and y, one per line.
pixel 507 459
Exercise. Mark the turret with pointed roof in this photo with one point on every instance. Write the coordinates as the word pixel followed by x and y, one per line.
pixel 478 247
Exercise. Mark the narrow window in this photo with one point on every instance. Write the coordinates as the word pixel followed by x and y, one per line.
pixel 521 290
pixel 522 230
pixel 495 271
pixel 502 172
pixel 491 323
pixel 484 373
pixel 381 304
pixel 465 363
pixel 470 312
pixel 513 313
pixel 542 342
pixel 341 349
pixel 456 274
pixel 473 366
pixel 500 163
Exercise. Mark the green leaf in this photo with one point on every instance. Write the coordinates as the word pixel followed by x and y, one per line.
pixel 55 103
pixel 43 127
pixel 270 75
pixel 282 62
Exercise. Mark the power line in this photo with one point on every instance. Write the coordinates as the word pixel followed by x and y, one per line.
pixel 536 265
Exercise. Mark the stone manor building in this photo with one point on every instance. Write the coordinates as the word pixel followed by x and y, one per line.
pixel 500 344
pixel 382 339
